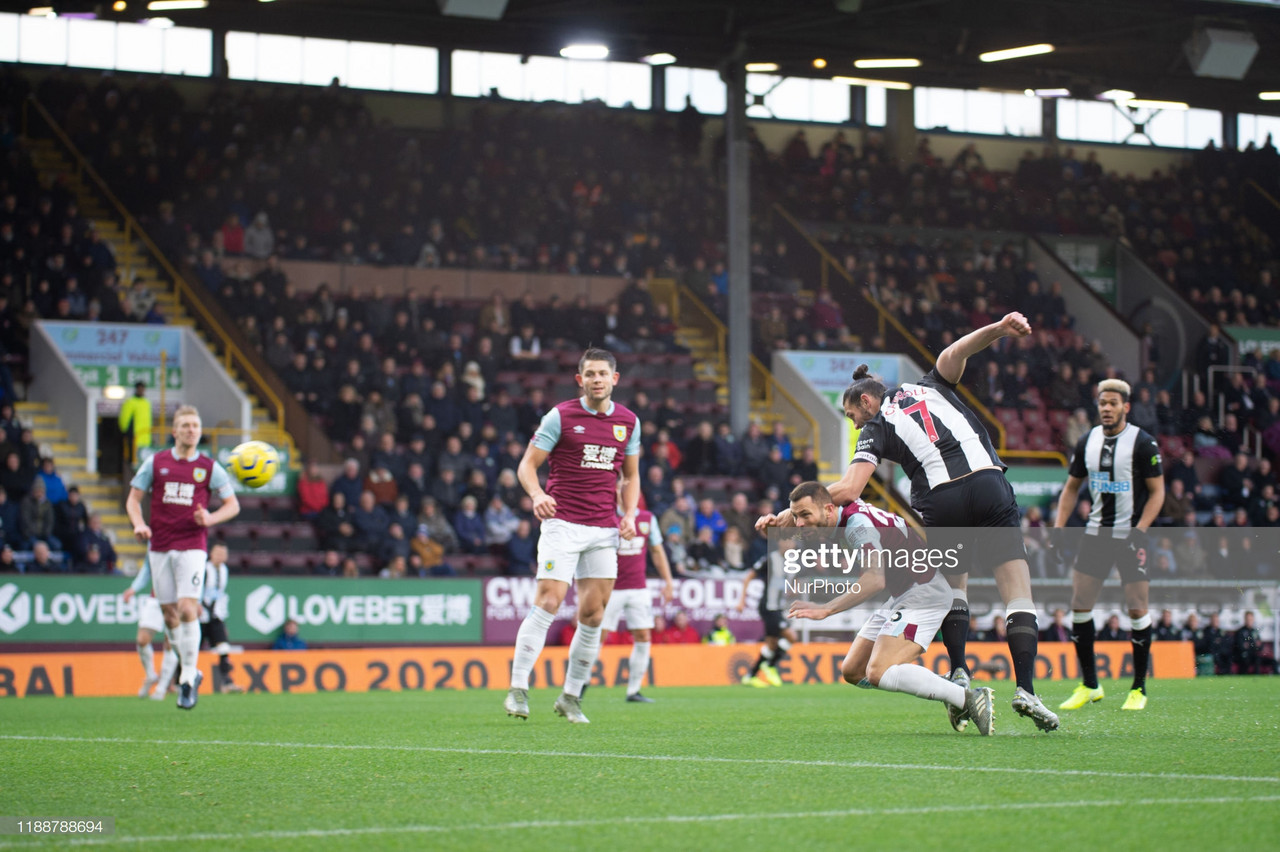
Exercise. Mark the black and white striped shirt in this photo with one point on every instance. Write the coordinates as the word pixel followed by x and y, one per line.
pixel 1116 470
pixel 927 428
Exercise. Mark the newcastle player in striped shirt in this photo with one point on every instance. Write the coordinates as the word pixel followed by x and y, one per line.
pixel 1121 464
pixel 957 481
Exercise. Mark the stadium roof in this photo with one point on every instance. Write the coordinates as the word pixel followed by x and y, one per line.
pixel 1135 45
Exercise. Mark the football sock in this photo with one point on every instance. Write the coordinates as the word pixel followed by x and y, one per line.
pixel 955 628
pixel 919 681
pixel 583 652
pixel 168 664
pixel 1140 637
pixel 1020 626
pixel 529 641
pixel 765 659
pixel 148 656
pixel 784 645
pixel 1082 632
pixel 188 648
pixel 639 667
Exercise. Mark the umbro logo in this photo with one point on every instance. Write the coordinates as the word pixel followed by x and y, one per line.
pixel 578 430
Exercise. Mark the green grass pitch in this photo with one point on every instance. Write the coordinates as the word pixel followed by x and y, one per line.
pixel 797 767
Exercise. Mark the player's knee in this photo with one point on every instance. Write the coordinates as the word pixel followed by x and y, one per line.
pixel 1137 612
pixel 853 672
pixel 591 619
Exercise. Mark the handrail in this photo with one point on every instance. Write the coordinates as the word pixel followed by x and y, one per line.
pixel 1047 455
pixel 231 352
pixel 885 317
pixel 1257 187
pixel 760 374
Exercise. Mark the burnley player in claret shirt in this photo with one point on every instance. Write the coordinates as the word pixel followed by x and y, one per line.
pixel 180 481
pixel 587 441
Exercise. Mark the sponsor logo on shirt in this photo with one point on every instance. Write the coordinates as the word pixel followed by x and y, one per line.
pixel 179 493
pixel 1100 483
pixel 597 457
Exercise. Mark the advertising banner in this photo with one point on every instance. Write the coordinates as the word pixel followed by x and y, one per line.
pixel 119 353
pixel 420 669
pixel 1254 337
pixel 507 601
pixel 65 608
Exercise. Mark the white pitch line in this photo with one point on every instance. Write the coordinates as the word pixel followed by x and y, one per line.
pixel 672 758
pixel 674 819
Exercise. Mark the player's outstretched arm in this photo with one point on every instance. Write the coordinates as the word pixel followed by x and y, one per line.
pixel 850 486
pixel 870 584
pixel 950 364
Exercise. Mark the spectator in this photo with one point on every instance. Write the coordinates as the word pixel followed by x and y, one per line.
pixel 1165 629
pixel 71 518
pixel 370 522
pixel 704 552
pixel 437 525
pixel 44 561
pixel 741 515
pixel 1059 630
pixel 469 526
pixel 14 478
pixel 681 632
pixel 1246 647
pixel 313 491
pixel 350 484
pixel 289 640
pixel 500 523
pixel 720 634
pixel 522 550
pixel 700 452
pixel 38 517
pixel 1111 632
pixel 709 517
pixel 335 528
pixel 755 450
pixel 428 553
pixel 679 517
pixel 55 488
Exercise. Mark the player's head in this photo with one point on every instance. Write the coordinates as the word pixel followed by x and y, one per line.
pixel 862 396
pixel 812 506
pixel 597 374
pixel 186 427
pixel 1113 403
pixel 218 553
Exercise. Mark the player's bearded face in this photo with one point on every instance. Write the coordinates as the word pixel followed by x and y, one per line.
pixel 861 411
pixel 1111 408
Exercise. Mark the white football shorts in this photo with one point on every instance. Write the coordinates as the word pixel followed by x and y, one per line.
pixel 567 551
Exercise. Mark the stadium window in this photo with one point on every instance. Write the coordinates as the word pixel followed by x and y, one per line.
pixel 585 80
pixel 1256 128
pixel 1101 121
pixel 630 83
pixel 139 48
pixel 279 58
pixel 971 111
pixel 8 37
pixel 1091 121
pixel 877 106
pixel 798 98
pixel 702 86
pixel 91 44
pixel 415 69
pixel 368 66
pixel 322 60
pixel 187 51
pixel 42 41
pixel 242 55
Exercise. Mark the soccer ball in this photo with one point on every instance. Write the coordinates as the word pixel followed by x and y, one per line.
pixel 254 463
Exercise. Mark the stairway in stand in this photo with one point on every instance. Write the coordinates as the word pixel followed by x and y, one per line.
pixel 133 262
pixel 103 496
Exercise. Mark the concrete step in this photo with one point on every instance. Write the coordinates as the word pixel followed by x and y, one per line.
pixel 39 420
pixel 31 407
pixel 46 434
pixel 63 448
pixel 115 519
pixel 127 545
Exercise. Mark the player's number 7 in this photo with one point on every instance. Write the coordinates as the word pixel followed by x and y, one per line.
pixel 925 420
